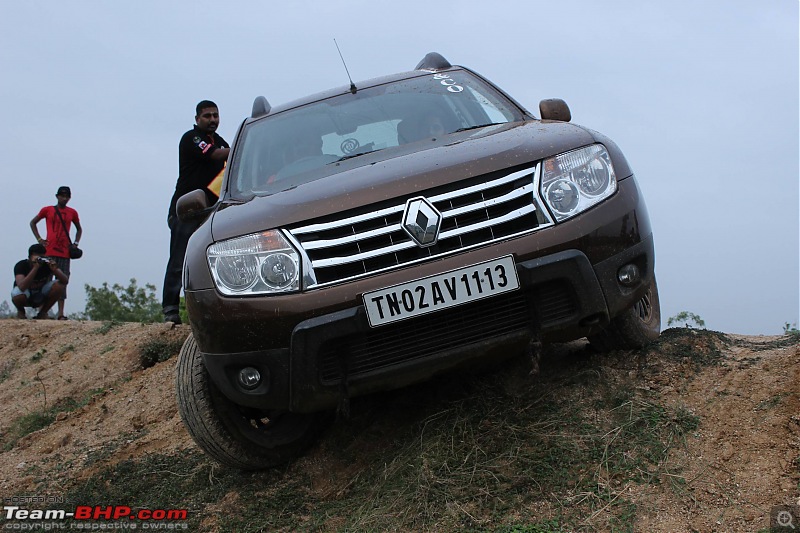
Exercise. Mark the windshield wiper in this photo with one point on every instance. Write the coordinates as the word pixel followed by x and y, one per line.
pixel 479 126
pixel 351 156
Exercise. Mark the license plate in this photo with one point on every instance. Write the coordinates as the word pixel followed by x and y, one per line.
pixel 441 291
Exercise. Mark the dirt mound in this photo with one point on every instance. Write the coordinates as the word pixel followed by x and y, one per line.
pixel 86 385
pixel 698 432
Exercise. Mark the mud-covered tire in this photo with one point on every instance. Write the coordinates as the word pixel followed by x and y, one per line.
pixel 237 436
pixel 635 327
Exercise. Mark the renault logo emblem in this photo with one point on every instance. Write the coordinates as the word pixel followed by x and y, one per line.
pixel 422 221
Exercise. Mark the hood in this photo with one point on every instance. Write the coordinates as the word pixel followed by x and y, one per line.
pixel 385 175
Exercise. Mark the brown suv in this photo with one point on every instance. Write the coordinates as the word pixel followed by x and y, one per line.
pixel 374 236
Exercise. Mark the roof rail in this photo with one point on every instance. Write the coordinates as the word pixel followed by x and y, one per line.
pixel 260 107
pixel 433 61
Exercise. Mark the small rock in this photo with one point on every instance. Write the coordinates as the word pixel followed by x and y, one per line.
pixel 137 422
pixel 727 451
pixel 21 465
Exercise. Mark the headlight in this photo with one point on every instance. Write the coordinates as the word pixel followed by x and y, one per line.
pixel 261 263
pixel 574 181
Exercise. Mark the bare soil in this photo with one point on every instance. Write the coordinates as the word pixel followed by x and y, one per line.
pixel 741 460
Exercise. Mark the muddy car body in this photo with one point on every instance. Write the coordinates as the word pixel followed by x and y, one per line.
pixel 373 256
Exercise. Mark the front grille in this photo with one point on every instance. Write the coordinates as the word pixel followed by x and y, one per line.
pixel 424 336
pixel 474 212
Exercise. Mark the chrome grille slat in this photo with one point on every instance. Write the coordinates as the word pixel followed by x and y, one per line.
pixel 312 228
pixel 484 186
pixel 322 263
pixel 516 193
pixel 473 215
pixel 488 224
pixel 355 237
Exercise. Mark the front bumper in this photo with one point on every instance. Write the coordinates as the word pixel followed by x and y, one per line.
pixel 336 355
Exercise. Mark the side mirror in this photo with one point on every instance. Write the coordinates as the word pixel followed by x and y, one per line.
pixel 554 109
pixel 191 205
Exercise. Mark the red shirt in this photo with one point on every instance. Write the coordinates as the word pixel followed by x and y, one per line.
pixel 57 240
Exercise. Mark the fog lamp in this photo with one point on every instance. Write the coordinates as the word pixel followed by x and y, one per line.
pixel 629 275
pixel 249 377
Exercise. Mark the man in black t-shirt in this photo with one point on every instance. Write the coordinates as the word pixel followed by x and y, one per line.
pixel 201 158
pixel 34 285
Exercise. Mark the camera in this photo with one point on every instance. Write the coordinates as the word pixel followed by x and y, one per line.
pixel 43 260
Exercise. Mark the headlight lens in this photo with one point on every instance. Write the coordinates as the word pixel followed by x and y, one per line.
pixel 575 181
pixel 278 271
pixel 261 263
pixel 238 273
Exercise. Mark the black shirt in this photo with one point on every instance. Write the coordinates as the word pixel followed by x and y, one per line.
pixel 196 168
pixel 43 275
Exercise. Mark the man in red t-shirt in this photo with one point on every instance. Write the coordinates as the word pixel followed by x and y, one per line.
pixel 58 241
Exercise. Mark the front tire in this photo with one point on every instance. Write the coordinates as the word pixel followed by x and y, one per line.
pixel 237 436
pixel 635 327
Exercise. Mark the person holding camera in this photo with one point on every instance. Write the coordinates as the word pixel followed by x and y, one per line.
pixel 34 285
pixel 59 219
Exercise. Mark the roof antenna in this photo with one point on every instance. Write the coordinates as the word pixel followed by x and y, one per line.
pixel 352 85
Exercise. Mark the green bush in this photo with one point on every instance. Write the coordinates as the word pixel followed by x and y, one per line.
pixel 122 304
pixel 688 319
pixel 157 351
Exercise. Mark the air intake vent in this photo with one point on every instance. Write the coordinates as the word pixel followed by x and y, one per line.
pixel 422 337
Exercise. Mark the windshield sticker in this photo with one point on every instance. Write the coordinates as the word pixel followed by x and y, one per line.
pixel 349 146
pixel 448 82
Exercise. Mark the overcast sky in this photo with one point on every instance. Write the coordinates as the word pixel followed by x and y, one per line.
pixel 702 97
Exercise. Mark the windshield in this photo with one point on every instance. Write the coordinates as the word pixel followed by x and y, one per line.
pixel 305 143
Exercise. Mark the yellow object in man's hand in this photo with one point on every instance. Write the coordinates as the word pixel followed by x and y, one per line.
pixel 216 184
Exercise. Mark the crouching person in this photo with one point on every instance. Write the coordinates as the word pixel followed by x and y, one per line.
pixel 34 283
